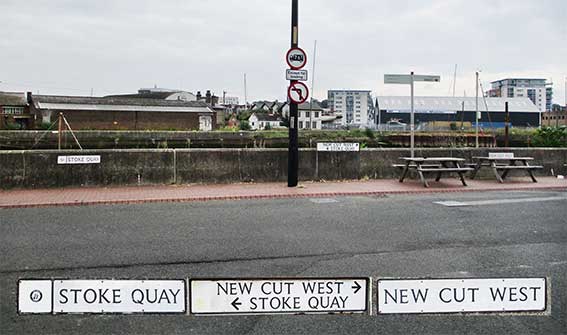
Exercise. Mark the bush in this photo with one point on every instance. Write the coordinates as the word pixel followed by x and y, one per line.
pixel 268 127
pixel 44 125
pixel 244 125
pixel 369 133
pixel 550 137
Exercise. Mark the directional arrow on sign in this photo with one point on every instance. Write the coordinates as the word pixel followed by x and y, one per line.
pixel 235 304
pixel 356 287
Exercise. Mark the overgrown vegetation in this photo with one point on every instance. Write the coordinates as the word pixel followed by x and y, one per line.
pixel 550 137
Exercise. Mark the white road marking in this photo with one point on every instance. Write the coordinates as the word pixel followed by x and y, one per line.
pixel 497 201
pixel 323 201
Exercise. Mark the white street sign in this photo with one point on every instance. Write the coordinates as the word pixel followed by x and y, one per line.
pixel 338 147
pixel 296 75
pixel 298 92
pixel 462 295
pixel 119 296
pixel 501 155
pixel 276 296
pixel 296 58
pixel 405 79
pixel 78 159
pixel 34 296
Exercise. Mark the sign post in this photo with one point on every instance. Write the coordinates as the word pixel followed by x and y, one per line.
pixel 293 56
pixel 410 80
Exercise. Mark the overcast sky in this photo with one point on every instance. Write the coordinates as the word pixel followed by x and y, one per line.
pixel 118 46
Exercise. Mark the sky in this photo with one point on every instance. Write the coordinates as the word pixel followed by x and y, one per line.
pixel 79 47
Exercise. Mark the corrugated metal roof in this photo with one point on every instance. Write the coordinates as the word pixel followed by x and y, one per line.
pixel 124 108
pixel 456 104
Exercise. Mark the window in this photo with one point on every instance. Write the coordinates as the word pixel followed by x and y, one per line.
pixel 316 114
pixel 314 125
pixel 14 110
pixel 300 124
pixel 306 114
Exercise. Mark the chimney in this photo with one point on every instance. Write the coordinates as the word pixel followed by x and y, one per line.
pixel 29 97
pixel 209 100
pixel 199 96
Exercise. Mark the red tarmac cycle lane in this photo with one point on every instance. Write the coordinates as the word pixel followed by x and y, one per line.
pixel 183 193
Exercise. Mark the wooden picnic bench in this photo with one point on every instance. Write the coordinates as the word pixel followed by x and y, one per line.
pixel 438 165
pixel 505 164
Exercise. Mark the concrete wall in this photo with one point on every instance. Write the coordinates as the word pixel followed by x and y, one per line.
pixel 38 169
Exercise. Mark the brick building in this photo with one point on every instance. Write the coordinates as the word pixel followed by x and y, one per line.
pixel 123 113
pixel 15 111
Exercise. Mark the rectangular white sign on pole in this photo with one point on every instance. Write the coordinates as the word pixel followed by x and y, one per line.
pixel 279 296
pixel 501 155
pixel 300 75
pixel 352 147
pixel 405 79
pixel 462 295
pixel 94 159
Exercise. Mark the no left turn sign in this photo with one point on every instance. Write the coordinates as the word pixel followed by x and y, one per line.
pixel 298 92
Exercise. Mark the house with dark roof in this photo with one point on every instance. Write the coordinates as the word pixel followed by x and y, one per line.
pixel 261 121
pixel 15 111
pixel 125 113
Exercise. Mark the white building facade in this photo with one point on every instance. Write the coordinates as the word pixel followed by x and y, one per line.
pixel 309 116
pixel 539 91
pixel 355 106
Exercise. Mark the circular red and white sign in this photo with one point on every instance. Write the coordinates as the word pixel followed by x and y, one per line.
pixel 298 92
pixel 296 58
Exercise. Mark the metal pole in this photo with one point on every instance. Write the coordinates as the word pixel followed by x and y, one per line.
pixel 379 116
pixel 245 94
pixel 312 86
pixel 59 129
pixel 507 127
pixel 293 154
pixel 412 121
pixel 476 114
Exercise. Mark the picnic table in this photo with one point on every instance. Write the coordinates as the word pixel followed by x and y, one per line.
pixel 505 164
pixel 438 165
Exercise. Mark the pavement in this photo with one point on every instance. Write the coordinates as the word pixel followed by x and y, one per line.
pixel 186 193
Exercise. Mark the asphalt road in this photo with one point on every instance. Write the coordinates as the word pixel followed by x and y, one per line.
pixel 378 237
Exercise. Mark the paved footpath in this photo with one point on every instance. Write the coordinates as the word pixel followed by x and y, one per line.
pixel 184 193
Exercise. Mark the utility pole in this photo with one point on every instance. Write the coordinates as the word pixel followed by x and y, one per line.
pixel 293 152
pixel 245 94
pixel 476 114
pixel 312 86
pixel 59 130
pixel 507 127
pixel 412 120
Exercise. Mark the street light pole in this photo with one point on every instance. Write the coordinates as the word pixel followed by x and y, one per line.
pixel 412 120
pixel 293 151
pixel 476 114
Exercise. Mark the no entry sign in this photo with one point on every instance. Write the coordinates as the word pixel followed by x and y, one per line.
pixel 274 296
pixel 298 92
pixel 296 58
